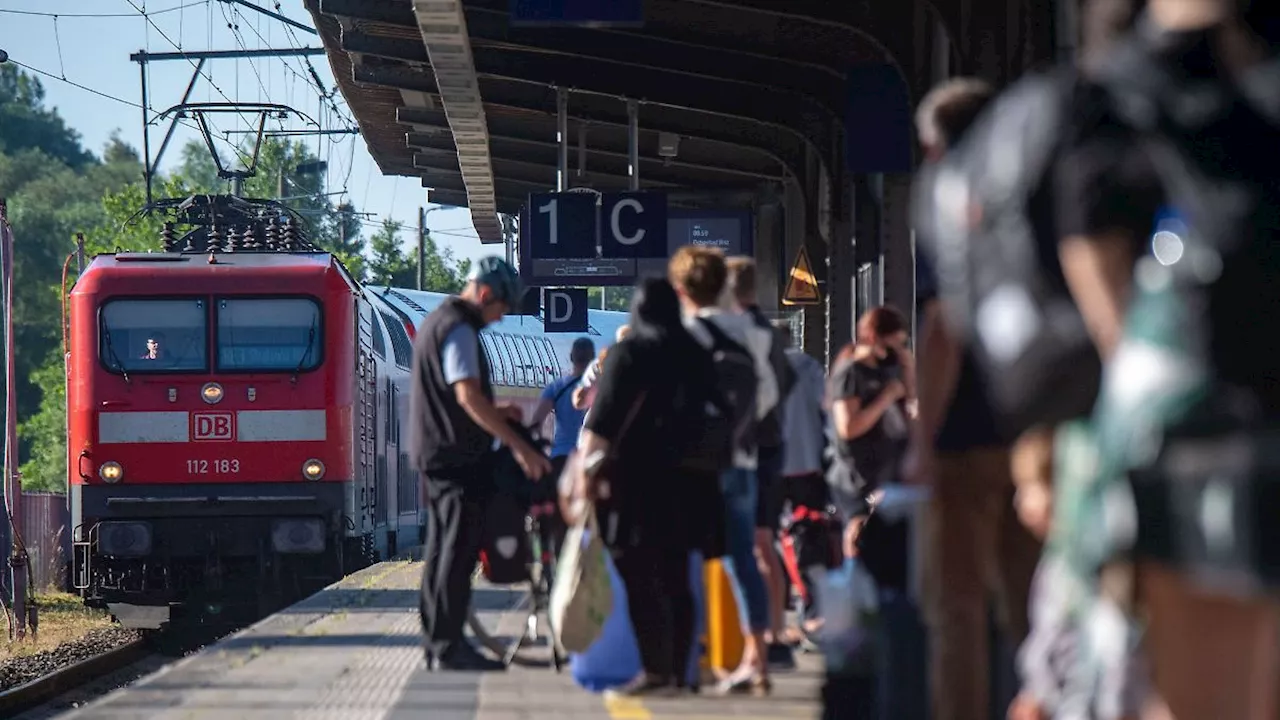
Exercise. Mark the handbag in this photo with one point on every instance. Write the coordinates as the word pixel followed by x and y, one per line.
pixel 582 593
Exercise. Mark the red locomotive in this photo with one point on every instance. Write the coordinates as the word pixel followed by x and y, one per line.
pixel 222 424
pixel 235 406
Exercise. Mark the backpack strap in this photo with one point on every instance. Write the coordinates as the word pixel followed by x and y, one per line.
pixel 567 387
pixel 720 339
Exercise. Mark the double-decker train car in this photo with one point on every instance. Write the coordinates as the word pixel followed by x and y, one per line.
pixel 523 359
pixel 235 426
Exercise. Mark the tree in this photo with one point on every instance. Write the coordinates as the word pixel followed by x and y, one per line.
pixel 26 124
pixel 441 272
pixel 388 264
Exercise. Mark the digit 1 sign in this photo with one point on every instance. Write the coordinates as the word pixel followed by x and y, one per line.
pixel 562 226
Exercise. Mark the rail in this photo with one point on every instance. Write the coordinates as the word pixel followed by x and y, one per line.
pixel 43 689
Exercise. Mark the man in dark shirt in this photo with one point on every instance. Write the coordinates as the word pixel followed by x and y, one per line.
pixel 454 422
pixel 972 535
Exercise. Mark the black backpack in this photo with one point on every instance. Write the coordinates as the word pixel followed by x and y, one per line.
pixel 981 216
pixel 718 420
pixel 738 385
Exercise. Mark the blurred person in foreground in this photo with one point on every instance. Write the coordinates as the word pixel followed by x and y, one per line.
pixel 1180 349
pixel 454 422
pixel 772 441
pixel 652 512
pixel 973 542
pixel 699 276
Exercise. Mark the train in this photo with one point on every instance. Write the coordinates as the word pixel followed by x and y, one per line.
pixel 235 418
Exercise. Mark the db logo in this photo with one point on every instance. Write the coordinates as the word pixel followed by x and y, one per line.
pixel 212 426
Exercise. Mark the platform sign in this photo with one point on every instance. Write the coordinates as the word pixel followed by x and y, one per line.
pixel 729 230
pixel 802 284
pixel 578 13
pixel 562 225
pixel 633 225
pixel 566 310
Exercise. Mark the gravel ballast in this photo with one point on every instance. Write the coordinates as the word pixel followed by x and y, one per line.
pixel 19 670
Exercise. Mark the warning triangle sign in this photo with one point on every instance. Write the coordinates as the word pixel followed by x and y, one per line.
pixel 802 287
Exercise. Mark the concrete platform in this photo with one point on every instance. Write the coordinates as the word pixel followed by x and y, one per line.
pixel 353 652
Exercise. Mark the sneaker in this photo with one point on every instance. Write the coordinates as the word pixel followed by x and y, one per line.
pixel 745 681
pixel 644 685
pixel 780 657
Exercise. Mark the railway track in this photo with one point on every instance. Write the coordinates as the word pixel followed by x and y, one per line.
pixel 66 679
pixel 84 680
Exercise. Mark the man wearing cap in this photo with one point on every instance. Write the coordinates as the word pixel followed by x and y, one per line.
pixel 454 423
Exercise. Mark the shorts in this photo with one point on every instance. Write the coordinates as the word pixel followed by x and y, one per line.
pixel 770 494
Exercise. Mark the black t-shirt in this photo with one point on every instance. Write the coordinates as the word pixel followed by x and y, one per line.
pixel 1104 184
pixel 875 454
pixel 969 421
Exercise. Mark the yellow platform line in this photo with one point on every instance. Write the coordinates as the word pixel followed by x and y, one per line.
pixel 626 709
pixel 634 709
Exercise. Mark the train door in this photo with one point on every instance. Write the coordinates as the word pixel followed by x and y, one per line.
pixel 386 501
pixel 365 412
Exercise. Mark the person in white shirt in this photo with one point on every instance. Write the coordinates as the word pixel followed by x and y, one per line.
pixel 699 276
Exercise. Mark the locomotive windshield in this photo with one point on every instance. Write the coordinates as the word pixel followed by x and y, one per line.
pixel 142 336
pixel 268 334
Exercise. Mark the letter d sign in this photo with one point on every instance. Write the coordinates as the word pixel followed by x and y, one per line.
pixel 566 310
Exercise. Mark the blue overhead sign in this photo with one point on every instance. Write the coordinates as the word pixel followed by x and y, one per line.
pixel 581 13
pixel 562 225
pixel 565 311
pixel 633 225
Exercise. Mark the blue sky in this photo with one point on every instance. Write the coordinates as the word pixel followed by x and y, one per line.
pixel 94 52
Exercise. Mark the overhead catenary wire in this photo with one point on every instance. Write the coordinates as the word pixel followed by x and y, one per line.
pixel 107 96
pixel 37 13
pixel 331 101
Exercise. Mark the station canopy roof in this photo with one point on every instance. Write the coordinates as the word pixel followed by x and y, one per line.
pixel 458 94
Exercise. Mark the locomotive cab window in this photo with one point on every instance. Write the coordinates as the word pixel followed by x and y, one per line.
pixel 154 335
pixel 269 334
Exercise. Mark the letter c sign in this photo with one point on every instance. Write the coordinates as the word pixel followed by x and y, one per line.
pixel 616 214
pixel 634 225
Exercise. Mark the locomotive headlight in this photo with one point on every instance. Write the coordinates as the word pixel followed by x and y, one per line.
pixel 212 393
pixel 111 472
pixel 313 469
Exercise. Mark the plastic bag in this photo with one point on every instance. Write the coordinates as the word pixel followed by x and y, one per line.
pixel 849 602
pixel 582 594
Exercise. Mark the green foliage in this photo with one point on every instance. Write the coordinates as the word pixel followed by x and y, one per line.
pixel 388 263
pixel 442 273
pixel 45 431
pixel 615 298
pixel 25 124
